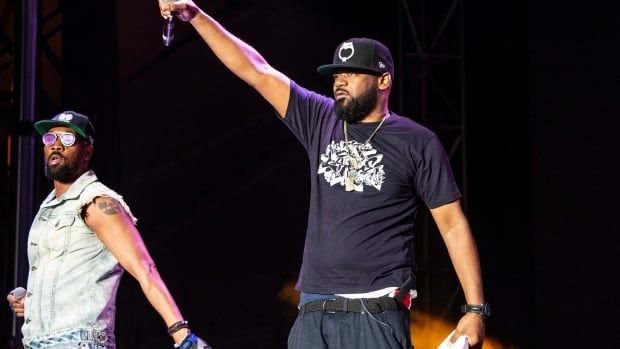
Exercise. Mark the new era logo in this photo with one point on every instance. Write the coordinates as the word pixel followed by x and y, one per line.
pixel 65 117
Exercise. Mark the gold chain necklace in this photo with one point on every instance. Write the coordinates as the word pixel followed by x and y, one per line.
pixel 354 157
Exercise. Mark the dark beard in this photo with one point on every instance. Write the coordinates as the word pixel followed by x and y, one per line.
pixel 65 173
pixel 358 107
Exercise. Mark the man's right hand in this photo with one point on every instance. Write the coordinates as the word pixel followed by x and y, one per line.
pixel 17 305
pixel 193 342
pixel 184 10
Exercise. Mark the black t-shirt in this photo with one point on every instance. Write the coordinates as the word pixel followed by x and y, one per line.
pixel 362 240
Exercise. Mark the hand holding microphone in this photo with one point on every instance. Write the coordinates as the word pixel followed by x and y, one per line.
pixel 16 300
pixel 185 10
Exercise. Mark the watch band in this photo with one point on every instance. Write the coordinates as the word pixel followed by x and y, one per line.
pixel 483 309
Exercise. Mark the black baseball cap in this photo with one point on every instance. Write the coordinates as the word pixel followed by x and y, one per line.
pixel 73 120
pixel 361 54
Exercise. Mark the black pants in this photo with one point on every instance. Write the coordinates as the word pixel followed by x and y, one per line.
pixel 344 330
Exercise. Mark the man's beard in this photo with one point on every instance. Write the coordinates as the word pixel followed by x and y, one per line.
pixel 66 172
pixel 358 107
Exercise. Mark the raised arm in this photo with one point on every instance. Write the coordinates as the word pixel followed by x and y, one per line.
pixel 107 218
pixel 456 233
pixel 239 57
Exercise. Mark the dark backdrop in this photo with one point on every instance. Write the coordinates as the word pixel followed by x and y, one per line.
pixel 574 108
pixel 220 187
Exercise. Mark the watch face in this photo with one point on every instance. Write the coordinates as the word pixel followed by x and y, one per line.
pixel 486 309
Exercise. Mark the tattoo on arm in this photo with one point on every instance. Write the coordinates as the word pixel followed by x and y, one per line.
pixel 109 208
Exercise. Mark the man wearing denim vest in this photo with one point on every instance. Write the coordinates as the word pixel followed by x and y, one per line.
pixel 81 240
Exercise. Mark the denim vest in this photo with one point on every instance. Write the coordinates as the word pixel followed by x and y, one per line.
pixel 73 277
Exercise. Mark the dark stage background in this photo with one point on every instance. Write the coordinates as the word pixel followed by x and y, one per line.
pixel 220 187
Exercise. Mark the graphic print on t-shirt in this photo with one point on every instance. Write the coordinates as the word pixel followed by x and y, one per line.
pixel 339 163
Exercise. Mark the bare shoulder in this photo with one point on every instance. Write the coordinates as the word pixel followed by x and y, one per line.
pixel 108 205
pixel 102 208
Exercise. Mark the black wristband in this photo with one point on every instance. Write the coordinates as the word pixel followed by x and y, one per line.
pixel 483 309
pixel 177 326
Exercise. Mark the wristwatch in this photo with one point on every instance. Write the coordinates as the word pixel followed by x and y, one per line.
pixel 483 309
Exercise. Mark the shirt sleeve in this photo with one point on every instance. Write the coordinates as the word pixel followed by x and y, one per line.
pixel 306 112
pixel 434 180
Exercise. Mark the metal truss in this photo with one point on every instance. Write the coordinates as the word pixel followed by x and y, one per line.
pixel 431 90
pixel 50 55
pixel 11 47
pixel 28 47
pixel 7 39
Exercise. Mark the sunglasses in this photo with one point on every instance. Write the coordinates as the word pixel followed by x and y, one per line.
pixel 66 138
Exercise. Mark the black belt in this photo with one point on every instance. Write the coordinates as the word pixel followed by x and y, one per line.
pixel 369 305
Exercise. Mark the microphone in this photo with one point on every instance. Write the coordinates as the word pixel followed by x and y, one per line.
pixel 168 32
pixel 18 292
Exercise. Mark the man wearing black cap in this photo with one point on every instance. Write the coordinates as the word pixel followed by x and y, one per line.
pixel 81 240
pixel 371 169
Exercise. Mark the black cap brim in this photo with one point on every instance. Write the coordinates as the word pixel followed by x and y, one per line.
pixel 329 69
pixel 45 125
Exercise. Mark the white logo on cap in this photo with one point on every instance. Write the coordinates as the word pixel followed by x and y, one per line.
pixel 381 65
pixel 346 46
pixel 65 117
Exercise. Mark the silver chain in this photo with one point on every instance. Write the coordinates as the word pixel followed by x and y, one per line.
pixel 346 133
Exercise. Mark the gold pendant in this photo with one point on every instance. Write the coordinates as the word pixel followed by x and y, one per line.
pixel 353 162
pixel 349 185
